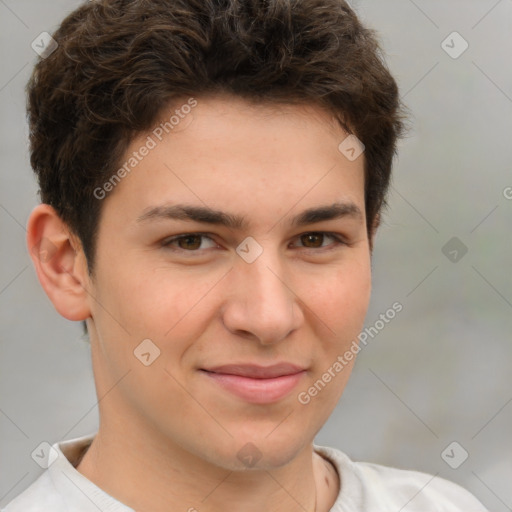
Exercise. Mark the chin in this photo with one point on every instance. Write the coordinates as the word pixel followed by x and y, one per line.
pixel 267 452
pixel 249 453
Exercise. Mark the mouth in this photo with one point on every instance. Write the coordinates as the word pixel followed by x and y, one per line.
pixel 256 384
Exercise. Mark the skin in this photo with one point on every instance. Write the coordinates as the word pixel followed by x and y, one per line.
pixel 169 437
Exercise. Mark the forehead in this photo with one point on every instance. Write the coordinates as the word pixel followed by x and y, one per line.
pixel 223 151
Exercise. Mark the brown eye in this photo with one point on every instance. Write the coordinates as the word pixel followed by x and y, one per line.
pixel 189 242
pixel 312 240
pixel 318 239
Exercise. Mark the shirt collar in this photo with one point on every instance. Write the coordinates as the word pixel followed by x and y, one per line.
pixel 78 492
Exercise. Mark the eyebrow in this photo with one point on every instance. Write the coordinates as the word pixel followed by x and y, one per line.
pixel 204 214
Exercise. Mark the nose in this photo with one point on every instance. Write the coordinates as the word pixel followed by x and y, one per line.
pixel 262 303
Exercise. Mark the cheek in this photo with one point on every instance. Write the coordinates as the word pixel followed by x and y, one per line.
pixel 341 299
pixel 171 308
pixel 154 302
pixel 355 296
pixel 341 303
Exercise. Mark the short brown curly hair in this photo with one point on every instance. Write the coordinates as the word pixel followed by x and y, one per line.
pixel 119 63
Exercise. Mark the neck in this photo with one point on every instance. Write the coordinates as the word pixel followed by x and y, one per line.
pixel 146 472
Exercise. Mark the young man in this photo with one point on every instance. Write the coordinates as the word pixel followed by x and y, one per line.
pixel 212 175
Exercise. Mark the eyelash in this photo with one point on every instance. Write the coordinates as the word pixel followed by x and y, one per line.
pixel 168 241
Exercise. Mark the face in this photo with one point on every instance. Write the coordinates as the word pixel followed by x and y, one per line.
pixel 232 269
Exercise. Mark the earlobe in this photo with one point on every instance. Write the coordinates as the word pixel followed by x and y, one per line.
pixel 59 262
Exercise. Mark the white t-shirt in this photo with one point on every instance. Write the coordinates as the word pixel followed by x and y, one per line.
pixel 365 487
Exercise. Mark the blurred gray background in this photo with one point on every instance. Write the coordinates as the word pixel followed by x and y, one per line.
pixel 440 371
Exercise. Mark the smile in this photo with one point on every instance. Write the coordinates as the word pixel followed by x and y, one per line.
pixel 255 384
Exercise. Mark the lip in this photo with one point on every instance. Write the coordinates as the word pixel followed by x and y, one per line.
pixel 256 371
pixel 257 384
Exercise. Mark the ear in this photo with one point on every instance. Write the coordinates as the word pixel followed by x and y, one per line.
pixel 373 231
pixel 59 262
